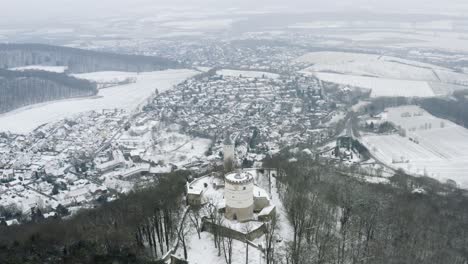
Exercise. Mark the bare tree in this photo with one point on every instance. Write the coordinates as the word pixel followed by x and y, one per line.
pixel 227 249
pixel 270 240
pixel 194 217
pixel 247 228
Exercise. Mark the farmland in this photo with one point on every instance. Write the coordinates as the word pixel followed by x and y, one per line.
pixel 433 147
pixel 384 75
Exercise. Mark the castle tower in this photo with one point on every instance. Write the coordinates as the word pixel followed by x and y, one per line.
pixel 228 152
pixel 239 196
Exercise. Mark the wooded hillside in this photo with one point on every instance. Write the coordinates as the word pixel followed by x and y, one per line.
pixel 21 88
pixel 78 60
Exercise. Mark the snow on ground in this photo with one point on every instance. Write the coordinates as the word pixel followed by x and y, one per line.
pixel 24 199
pixel 447 40
pixel 199 24
pixel 203 69
pixel 58 69
pixel 249 74
pixel 442 151
pixel 112 181
pixel 285 230
pixel 360 105
pixel 130 96
pixel 378 72
pixel 202 251
pixel 374 65
pixel 336 117
pixel 176 148
pixel 107 76
pixel 381 86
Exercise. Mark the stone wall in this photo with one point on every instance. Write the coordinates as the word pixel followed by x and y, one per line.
pixel 208 226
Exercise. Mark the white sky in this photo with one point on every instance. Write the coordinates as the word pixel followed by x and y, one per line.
pixel 26 11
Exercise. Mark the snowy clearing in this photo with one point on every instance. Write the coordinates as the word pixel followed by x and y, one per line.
pixel 128 97
pixel 58 69
pixel 107 76
pixel 202 24
pixel 366 70
pixel 445 39
pixel 438 149
pixel 381 87
pixel 249 74
pixel 176 148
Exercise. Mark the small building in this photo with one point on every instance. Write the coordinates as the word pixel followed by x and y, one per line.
pixel 177 260
pixel 261 199
pixel 267 214
pixel 194 196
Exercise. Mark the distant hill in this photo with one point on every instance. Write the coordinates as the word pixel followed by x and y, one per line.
pixel 21 88
pixel 78 60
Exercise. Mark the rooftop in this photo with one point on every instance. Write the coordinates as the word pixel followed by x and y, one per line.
pixel 239 177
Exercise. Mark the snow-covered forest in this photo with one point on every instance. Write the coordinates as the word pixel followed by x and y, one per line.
pixel 78 60
pixel 21 88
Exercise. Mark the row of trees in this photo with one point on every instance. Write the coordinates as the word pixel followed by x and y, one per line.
pixel 78 60
pixel 18 88
pixel 139 228
pixel 454 110
pixel 340 219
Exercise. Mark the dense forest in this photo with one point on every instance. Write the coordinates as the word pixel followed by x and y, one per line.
pixel 455 109
pixel 341 219
pixel 137 228
pixel 78 60
pixel 21 88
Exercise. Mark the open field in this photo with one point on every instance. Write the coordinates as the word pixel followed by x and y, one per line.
pixel 439 148
pixel 130 96
pixel 178 149
pixel 384 75
pixel 380 86
pixel 58 69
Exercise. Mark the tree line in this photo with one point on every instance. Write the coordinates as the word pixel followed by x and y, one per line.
pixel 340 219
pixel 21 88
pixel 79 60
pixel 454 109
pixel 139 227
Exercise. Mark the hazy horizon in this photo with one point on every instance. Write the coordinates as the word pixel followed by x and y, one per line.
pixel 60 11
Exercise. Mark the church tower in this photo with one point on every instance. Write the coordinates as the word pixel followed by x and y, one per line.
pixel 228 152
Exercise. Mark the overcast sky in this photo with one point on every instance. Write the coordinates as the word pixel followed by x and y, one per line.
pixel 16 11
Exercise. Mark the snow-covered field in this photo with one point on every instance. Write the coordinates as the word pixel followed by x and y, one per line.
pixel 176 148
pixel 58 69
pixel 380 86
pixel 249 74
pixel 447 40
pixel 442 151
pixel 107 76
pixel 201 24
pixel 385 75
pixel 130 96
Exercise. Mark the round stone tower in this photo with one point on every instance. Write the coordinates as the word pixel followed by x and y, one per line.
pixel 238 193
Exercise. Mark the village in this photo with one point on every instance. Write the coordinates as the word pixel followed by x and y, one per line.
pixel 90 158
